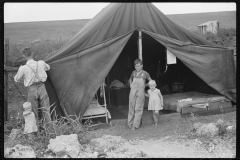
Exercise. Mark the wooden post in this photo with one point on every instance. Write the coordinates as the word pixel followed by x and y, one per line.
pixel 6 49
pixel 10 69
pixel 140 45
pixel 104 97
pixel 109 94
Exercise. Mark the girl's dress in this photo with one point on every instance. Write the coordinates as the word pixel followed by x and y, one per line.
pixel 154 100
pixel 30 122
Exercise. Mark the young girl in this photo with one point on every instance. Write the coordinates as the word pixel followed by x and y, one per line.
pixel 136 96
pixel 155 100
pixel 30 121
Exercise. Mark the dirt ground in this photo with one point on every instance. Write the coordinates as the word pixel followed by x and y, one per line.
pixel 172 138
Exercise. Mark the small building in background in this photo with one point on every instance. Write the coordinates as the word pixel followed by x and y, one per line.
pixel 211 26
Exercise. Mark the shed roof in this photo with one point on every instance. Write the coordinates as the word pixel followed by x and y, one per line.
pixel 207 23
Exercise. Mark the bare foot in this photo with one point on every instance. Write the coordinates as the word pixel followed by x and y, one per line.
pixel 129 127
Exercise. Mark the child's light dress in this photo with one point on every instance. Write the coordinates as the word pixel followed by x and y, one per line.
pixel 30 122
pixel 154 100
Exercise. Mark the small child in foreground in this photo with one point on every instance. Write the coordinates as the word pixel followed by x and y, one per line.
pixel 155 100
pixel 30 120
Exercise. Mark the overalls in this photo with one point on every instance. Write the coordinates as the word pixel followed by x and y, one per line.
pixel 136 101
pixel 38 97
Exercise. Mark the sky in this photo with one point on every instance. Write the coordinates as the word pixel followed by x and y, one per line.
pixel 29 12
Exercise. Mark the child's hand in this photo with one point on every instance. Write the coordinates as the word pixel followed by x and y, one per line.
pixel 25 113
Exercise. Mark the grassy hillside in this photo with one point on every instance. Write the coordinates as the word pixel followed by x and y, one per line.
pixel 191 21
pixel 29 31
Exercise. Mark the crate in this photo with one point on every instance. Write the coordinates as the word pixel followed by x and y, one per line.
pixel 219 107
pixel 178 87
pixel 120 97
pixel 210 112
pixel 218 104
pixel 190 109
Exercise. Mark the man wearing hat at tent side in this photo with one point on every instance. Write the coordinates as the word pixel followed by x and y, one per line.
pixel 34 75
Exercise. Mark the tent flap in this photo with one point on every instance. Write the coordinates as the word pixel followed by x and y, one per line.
pixel 213 65
pixel 77 78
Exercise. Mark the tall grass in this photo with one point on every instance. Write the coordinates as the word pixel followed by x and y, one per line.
pixel 57 126
pixel 41 49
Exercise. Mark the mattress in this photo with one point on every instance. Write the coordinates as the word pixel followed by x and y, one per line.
pixel 177 101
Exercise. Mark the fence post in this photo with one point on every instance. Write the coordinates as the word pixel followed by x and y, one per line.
pixel 6 49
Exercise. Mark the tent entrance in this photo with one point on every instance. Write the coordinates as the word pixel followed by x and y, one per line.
pixel 167 74
pixel 152 53
pixel 154 62
pixel 123 66
pixel 154 58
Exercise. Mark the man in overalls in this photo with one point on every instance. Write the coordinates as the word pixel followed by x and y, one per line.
pixel 137 94
pixel 34 75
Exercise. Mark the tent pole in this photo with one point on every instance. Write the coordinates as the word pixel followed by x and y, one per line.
pixel 109 94
pixel 105 103
pixel 140 45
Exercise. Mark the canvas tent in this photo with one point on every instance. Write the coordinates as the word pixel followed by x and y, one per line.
pixel 82 64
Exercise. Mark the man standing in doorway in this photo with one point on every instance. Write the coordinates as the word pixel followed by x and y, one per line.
pixel 34 75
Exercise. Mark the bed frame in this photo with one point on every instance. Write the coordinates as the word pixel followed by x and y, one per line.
pixel 105 114
pixel 206 104
pixel 219 107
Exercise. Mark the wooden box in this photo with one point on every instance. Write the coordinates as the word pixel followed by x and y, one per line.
pixel 178 87
pixel 120 97
pixel 192 109
pixel 212 109
pixel 218 104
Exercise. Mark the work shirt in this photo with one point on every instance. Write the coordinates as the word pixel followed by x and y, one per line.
pixel 145 75
pixel 29 76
